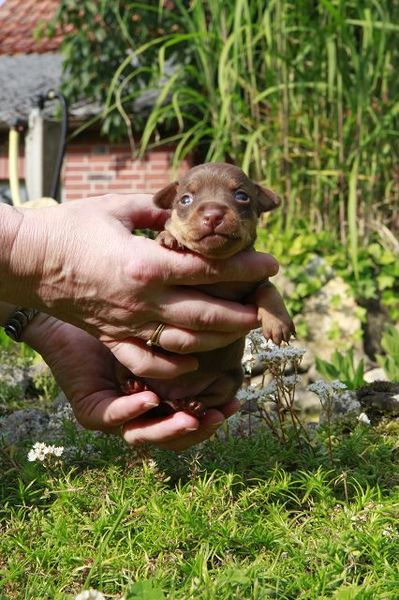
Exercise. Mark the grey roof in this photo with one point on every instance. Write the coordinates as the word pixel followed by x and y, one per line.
pixel 22 77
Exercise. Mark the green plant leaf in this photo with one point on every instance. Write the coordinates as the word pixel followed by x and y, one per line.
pixel 145 590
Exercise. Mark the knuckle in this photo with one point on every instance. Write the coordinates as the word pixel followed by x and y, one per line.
pixel 145 271
pixel 109 197
pixel 132 437
pixel 143 364
pixel 111 419
pixel 185 344
pixel 207 320
pixel 140 369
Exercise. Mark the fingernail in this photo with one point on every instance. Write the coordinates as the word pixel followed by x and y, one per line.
pixel 190 429
pixel 151 403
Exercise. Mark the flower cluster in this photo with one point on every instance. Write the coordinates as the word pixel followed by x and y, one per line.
pixel 276 356
pixel 90 595
pixel 246 394
pixel 336 400
pixel 326 390
pixel 275 399
pixel 257 393
pixel 40 451
pixel 272 356
pixel 363 418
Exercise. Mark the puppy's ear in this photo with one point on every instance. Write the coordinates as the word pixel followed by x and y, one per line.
pixel 267 199
pixel 165 197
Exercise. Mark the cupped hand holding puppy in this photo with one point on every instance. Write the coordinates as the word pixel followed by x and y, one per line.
pixel 80 263
pixel 84 369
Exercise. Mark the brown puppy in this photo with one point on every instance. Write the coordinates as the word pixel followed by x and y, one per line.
pixel 214 212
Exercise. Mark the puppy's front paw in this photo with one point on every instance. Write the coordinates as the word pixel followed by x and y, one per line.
pixel 193 407
pixel 132 386
pixel 278 331
pixel 167 240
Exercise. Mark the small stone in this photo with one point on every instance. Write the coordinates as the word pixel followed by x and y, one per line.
pixel 377 374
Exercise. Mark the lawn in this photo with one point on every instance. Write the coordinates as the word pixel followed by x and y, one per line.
pixel 241 517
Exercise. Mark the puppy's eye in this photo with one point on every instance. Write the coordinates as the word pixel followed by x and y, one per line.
pixel 241 196
pixel 186 199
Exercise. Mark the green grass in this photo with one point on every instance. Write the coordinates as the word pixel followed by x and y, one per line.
pixel 238 519
pixel 244 518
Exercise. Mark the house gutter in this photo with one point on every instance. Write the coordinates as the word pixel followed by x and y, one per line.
pixel 13 166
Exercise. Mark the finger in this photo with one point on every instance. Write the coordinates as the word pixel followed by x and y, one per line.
pixel 178 431
pixel 181 341
pixel 143 361
pixel 186 268
pixel 159 430
pixel 230 408
pixel 191 309
pixel 106 411
pixel 137 211
pixel 209 424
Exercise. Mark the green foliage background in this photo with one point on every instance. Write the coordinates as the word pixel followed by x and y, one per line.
pixel 302 94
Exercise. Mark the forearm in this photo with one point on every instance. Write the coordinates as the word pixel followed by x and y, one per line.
pixel 6 311
pixel 10 223
pixel 22 252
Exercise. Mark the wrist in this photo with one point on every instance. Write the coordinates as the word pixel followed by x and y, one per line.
pixel 22 255
pixel 42 333
pixel 10 225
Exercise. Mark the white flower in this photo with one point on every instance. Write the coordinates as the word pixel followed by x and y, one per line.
pixel 338 386
pixel 247 362
pixel 152 464
pixel 249 393
pixel 290 381
pixel 256 340
pixel 363 418
pixel 278 355
pixel 326 390
pixel 270 389
pixel 321 388
pixel 90 595
pixel 40 451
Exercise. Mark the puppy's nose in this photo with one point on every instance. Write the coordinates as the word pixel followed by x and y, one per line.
pixel 213 215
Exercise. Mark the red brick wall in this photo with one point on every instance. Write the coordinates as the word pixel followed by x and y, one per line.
pixel 96 168
pixel 100 168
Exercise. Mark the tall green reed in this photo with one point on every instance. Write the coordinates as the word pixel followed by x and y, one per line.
pixel 303 94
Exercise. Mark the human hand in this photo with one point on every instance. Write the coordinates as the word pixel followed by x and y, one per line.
pixel 79 262
pixel 84 369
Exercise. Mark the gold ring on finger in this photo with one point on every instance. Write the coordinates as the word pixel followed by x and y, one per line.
pixel 154 339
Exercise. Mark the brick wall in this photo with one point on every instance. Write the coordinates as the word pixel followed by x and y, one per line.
pixel 95 168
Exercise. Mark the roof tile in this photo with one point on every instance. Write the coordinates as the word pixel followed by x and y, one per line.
pixel 18 22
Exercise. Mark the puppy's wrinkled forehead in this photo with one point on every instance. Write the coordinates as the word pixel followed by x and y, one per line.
pixel 213 176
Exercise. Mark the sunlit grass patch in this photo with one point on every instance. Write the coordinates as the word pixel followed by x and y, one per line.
pixel 243 518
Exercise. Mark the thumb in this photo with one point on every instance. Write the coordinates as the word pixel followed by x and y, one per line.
pixel 106 411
